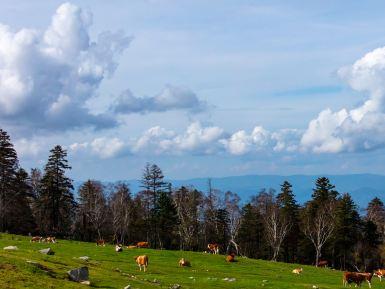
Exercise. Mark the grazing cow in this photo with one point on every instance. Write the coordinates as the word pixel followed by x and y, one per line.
pixel 142 261
pixel 380 273
pixel 230 258
pixel 101 242
pixel 119 248
pixel 50 240
pixel 36 239
pixel 297 271
pixel 132 247
pixel 184 263
pixel 142 245
pixel 357 278
pixel 213 248
pixel 322 263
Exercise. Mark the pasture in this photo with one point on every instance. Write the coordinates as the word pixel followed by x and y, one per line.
pixel 109 269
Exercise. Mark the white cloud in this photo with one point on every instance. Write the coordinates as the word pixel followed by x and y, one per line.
pixel 241 143
pixel 27 148
pixel 360 128
pixel 46 76
pixel 106 147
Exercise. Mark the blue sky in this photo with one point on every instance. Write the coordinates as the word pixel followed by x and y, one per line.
pixel 203 88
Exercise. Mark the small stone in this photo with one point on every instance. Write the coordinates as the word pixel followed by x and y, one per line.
pixel 85 282
pixel 11 248
pixel 78 274
pixel 127 287
pixel 84 258
pixel 175 286
pixel 47 251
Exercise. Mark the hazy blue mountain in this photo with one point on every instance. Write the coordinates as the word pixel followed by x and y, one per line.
pixel 362 187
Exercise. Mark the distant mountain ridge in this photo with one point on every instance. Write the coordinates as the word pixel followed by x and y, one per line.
pixel 362 187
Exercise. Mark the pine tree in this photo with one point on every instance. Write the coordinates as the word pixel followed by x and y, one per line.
pixel 347 222
pixel 8 169
pixel 56 199
pixel 323 191
pixel 290 211
pixel 167 219
pixel 153 184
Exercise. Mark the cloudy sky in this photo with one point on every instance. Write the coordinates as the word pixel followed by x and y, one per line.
pixel 202 88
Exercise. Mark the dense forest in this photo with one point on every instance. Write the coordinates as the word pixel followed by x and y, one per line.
pixel 271 225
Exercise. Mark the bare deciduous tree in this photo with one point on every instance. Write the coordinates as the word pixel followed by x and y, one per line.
pixel 121 212
pixel 276 227
pixel 187 203
pixel 319 227
pixel 234 218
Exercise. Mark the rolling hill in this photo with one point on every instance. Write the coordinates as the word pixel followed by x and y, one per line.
pixel 27 268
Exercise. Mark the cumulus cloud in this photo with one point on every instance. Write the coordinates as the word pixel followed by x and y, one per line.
pixel 359 128
pixel 170 98
pixel 196 139
pixel 46 77
pixel 241 143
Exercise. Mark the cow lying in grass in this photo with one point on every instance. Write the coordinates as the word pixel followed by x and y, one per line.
pixel 36 239
pixel 142 245
pixel 357 278
pixel 142 261
pixel 100 242
pixel 297 271
pixel 184 263
pixel 230 258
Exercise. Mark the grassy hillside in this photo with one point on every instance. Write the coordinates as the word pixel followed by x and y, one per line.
pixel 109 269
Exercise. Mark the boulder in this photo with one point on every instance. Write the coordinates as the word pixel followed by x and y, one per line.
pixel 79 275
pixel 47 251
pixel 11 248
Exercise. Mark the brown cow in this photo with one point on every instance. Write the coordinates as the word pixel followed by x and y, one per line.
pixel 380 273
pixel 142 245
pixel 297 271
pixel 213 248
pixel 36 239
pixel 184 263
pixel 132 247
pixel 357 278
pixel 101 242
pixel 322 263
pixel 142 261
pixel 230 258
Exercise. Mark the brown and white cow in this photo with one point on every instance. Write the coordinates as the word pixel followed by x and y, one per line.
pixel 142 261
pixel 230 258
pixel 213 248
pixel 142 245
pixel 118 248
pixel 101 242
pixel 184 263
pixel 36 239
pixel 380 273
pixel 357 278
pixel 297 271
pixel 50 240
pixel 132 247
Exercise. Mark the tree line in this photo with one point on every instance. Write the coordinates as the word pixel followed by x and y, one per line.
pixel 270 225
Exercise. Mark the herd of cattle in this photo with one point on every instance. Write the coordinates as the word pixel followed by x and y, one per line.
pixel 142 261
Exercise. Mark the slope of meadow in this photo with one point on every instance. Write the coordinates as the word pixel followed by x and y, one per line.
pixel 109 269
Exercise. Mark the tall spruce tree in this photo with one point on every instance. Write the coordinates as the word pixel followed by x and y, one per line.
pixel 56 199
pixel 347 224
pixel 153 184
pixel 290 211
pixel 8 169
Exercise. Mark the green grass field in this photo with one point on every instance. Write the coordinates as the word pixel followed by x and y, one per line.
pixel 109 269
